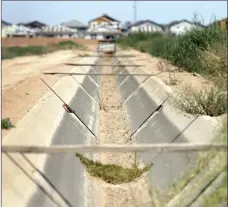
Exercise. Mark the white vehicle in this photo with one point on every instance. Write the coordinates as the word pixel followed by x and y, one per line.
pixel 107 46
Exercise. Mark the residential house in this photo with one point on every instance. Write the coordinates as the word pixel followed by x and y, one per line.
pixel 5 24
pixel 17 31
pixel 146 26
pixel 34 26
pixel 58 31
pixel 76 25
pixel 223 23
pixel 180 27
pixel 103 26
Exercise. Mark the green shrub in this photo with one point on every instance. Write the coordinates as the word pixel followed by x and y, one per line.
pixel 68 44
pixel 6 123
pixel 212 101
pixel 11 52
pixel 184 51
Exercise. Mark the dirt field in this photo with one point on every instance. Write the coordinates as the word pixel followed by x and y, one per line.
pixel 8 42
pixel 21 84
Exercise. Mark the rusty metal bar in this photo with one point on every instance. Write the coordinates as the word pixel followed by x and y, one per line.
pixel 111 74
pixel 90 64
pixel 70 110
pixel 53 91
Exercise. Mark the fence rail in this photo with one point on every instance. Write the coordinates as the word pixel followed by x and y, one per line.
pixel 113 65
pixel 165 147
pixel 97 74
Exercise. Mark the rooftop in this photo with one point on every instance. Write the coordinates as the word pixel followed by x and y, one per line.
pixel 6 23
pixel 74 23
pixel 106 16
pixel 145 21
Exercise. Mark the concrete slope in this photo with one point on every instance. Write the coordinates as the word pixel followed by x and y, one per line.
pixel 141 97
pixel 56 127
pixel 65 171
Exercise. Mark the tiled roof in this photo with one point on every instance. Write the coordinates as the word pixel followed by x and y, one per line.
pixel 146 21
pixel 74 23
pixel 183 20
pixel 106 16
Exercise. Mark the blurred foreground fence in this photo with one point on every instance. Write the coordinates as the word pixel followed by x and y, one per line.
pixel 164 147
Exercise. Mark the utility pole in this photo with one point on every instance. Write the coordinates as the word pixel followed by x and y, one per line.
pixel 135 11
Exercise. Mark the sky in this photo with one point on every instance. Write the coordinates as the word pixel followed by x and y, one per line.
pixel 55 12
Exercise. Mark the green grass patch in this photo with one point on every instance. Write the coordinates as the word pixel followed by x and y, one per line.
pixel 68 44
pixel 7 124
pixel 11 52
pixel 111 173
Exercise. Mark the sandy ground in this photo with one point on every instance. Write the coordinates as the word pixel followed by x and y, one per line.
pixel 21 84
pixel 113 127
pixel 174 77
pixel 114 130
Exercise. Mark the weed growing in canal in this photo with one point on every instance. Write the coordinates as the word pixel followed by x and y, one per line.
pixel 111 173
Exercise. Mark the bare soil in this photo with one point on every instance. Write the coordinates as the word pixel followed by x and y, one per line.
pixel 21 84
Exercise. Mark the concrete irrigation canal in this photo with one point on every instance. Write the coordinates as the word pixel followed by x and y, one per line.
pixel 121 110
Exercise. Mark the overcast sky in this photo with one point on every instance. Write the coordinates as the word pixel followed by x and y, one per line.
pixel 55 12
